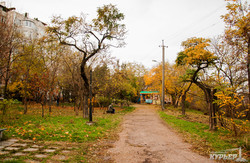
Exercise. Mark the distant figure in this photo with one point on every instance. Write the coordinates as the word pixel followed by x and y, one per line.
pixel 111 109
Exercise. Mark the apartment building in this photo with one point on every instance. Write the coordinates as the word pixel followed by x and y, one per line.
pixel 31 28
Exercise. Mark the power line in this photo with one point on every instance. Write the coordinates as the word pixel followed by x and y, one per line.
pixel 194 24
pixel 196 32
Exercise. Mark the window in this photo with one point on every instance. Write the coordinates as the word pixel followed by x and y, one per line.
pixel 29 24
pixel 18 22
pixel 3 20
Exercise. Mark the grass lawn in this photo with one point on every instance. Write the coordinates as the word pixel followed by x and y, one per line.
pixel 196 131
pixel 62 126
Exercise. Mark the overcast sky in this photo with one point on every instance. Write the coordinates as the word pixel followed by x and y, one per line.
pixel 148 22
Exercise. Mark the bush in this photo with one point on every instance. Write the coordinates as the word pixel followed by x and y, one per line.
pixel 121 102
pixel 104 101
pixel 6 105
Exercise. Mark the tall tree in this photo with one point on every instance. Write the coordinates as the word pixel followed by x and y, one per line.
pixel 71 78
pixel 230 63
pixel 197 55
pixel 90 38
pixel 10 41
pixel 52 54
pixel 174 86
pixel 25 66
pixel 237 32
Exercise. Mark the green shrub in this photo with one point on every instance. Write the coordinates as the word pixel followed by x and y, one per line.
pixel 104 101
pixel 6 105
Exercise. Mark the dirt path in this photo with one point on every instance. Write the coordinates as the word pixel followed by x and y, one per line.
pixel 145 138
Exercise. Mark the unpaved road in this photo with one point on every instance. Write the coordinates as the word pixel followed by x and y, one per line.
pixel 144 138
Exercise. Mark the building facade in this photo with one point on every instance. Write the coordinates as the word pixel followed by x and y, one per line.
pixel 29 28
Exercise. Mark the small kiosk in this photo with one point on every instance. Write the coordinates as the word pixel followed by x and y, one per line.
pixel 149 97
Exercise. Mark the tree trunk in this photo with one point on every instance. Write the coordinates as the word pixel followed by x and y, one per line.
pixel 25 91
pixel 86 88
pixel 85 106
pixel 183 107
pixel 25 106
pixel 209 93
pixel 76 108
pixel 183 100
pixel 6 82
pixel 50 102
pixel 42 110
pixel 7 77
pixel 215 110
pixel 176 104
pixel 58 99
pixel 43 103
pixel 248 72
pixel 3 112
pixel 212 109
pixel 84 76
pixel 177 101
pixel 25 99
pixel 173 99
pixel 209 99
pixel 81 103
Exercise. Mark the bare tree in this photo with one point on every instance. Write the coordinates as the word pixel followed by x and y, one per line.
pixel 90 38
pixel 10 41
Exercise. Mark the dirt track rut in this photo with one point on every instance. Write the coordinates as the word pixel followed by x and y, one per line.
pixel 144 138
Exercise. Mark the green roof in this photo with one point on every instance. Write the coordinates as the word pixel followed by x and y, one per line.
pixel 148 92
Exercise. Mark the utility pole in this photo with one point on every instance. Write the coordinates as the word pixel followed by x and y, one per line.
pixel 163 75
pixel 90 97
